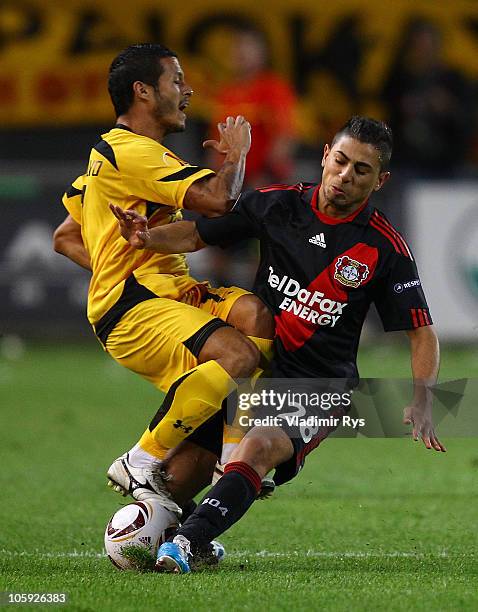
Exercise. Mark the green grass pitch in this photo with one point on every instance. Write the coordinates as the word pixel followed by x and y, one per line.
pixel 369 524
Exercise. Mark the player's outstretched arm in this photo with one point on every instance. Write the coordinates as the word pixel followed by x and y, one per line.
pixel 179 237
pixel 68 241
pixel 425 358
pixel 215 195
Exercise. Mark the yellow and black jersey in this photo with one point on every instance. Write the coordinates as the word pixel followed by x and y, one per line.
pixel 72 198
pixel 134 172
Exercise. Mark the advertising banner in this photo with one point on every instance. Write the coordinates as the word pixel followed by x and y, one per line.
pixel 54 56
pixel 443 229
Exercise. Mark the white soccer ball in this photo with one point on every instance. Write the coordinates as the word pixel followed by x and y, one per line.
pixel 143 524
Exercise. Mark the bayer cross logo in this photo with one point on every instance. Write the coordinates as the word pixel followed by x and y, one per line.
pixel 350 272
pixel 185 428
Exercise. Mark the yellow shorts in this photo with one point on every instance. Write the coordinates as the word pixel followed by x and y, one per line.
pixel 160 338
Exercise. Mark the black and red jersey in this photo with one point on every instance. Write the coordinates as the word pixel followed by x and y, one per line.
pixel 319 276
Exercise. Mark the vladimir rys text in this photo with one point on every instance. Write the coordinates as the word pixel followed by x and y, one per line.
pixel 269 408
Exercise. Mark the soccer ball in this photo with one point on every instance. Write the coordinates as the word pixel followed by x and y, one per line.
pixel 136 531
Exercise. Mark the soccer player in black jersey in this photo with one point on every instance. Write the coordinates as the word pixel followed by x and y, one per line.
pixel 326 255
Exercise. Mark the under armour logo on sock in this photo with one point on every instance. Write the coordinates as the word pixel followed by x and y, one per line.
pixel 179 425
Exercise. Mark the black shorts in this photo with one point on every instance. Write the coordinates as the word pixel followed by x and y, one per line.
pixel 209 435
pixel 303 446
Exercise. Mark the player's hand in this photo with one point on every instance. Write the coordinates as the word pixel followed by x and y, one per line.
pixel 133 226
pixel 235 133
pixel 421 419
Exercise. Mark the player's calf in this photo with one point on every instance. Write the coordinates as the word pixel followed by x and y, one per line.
pixel 263 448
pixel 267 485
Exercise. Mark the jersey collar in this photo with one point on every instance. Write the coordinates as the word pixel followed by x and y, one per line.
pixel 121 126
pixel 361 216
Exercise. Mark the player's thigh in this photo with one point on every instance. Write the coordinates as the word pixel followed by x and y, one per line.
pixel 240 308
pixel 160 338
pixel 251 316
pixel 220 301
pixel 304 440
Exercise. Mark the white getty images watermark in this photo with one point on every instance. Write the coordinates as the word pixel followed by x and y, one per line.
pixel 270 408
pixel 277 400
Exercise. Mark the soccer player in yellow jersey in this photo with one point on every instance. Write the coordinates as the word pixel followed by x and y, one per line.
pixel 145 309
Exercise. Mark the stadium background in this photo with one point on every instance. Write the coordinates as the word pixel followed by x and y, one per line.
pixel 54 104
pixel 55 384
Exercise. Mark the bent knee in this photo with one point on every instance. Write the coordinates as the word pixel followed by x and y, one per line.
pixel 256 449
pixel 252 317
pixel 257 452
pixel 264 449
pixel 233 351
pixel 241 358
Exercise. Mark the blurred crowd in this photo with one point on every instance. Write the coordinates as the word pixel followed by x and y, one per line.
pixel 430 107
pixel 429 104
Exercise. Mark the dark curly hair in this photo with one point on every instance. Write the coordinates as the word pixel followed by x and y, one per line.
pixel 370 131
pixel 135 63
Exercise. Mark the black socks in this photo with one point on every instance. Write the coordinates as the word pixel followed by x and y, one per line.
pixel 224 504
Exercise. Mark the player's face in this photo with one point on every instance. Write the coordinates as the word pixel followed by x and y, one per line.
pixel 351 173
pixel 171 97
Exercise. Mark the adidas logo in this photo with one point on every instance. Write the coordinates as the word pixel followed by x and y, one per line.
pixel 319 240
